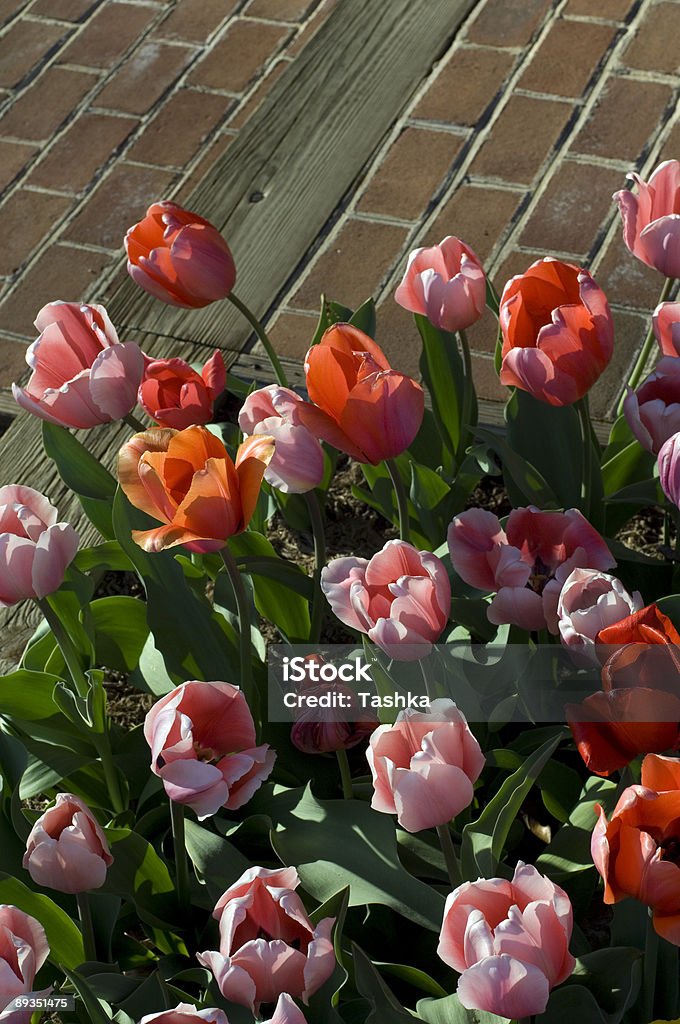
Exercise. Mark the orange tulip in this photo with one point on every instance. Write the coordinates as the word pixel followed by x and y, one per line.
pixel 187 480
pixel 637 853
pixel 361 405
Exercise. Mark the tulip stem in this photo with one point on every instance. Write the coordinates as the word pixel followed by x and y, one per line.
pixel 345 774
pixel 86 925
pixel 647 345
pixel 134 423
pixel 468 397
pixel 650 965
pixel 318 600
pixel 450 858
pixel 402 500
pixel 264 338
pixel 243 608
pixel 179 845
pixel 583 412
pixel 66 646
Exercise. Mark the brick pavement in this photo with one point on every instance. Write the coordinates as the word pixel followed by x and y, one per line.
pixel 515 141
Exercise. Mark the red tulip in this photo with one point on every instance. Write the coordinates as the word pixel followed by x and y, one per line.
pixel 558 332
pixel 175 395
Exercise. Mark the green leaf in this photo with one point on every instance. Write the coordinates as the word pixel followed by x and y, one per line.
pixel 121 630
pixel 331 313
pixel 364 318
pixel 217 861
pixel 78 468
pixel 108 557
pixel 385 1008
pixel 140 875
pixel 28 695
pixel 98 1011
pixel 603 987
pixel 444 375
pixel 63 936
pixel 569 850
pixel 627 466
pixel 450 1011
pixel 521 477
pixel 274 598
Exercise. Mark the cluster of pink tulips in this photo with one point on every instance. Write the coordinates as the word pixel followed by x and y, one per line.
pixel 372 865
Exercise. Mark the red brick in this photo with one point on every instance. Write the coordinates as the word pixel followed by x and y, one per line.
pixel 218 146
pixel 465 86
pixel 521 139
pixel 508 22
pixel 193 21
pixel 27 217
pixel 86 146
pixel 26 44
pixel 354 265
pixel 671 147
pixel 46 105
pixel 320 16
pixel 567 58
pixel 411 173
pixel 235 61
pixel 64 10
pixel 652 47
pixel 483 334
pixel 488 386
pixel 60 272
pixel 144 77
pixel 179 129
pixel 514 262
pixel 280 10
pixel 121 200
pixel 625 279
pixel 398 336
pixel 292 333
pixel 12 362
pixel 107 35
pixel 629 330
pixel 13 156
pixel 247 109
pixel 616 10
pixel 571 210
pixel 477 215
pixel 637 105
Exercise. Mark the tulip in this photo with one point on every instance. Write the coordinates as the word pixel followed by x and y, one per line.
pixel 509 941
pixel 669 468
pixel 81 374
pixel 187 480
pixel 558 332
pixel 268 945
pixel 23 951
pixel 185 1013
pixel 204 747
pixel 35 549
pixel 401 598
pixel 424 766
pixel 297 465
pixel 339 726
pixel 651 221
pixel 526 564
pixel 445 283
pixel 653 409
pixel 361 405
pixel 287 1012
pixel 175 395
pixel 589 602
pixel 66 849
pixel 666 323
pixel 636 851
pixel 179 258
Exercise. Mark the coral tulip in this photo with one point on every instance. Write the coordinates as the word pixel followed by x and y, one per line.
pixel 589 602
pixel 81 374
pixel 509 941
pixel 651 219
pixel 653 409
pixel 187 480
pixel 558 332
pixel 268 945
pixel 179 258
pixel 400 597
pixel 446 283
pixel 666 323
pixel 35 549
pixel 424 766
pixel 185 1013
pixel 669 468
pixel 297 465
pixel 66 849
pixel 361 405
pixel 23 951
pixel 527 563
pixel 175 395
pixel 204 747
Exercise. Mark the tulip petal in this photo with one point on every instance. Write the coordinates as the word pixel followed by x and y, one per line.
pixel 252 459
pixel 504 986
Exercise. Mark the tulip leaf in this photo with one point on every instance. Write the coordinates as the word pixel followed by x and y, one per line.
pixel 364 318
pixel 330 313
pixel 63 936
pixel 522 479
pixel 83 474
pixel 28 695
pixel 451 1011
pixel 121 630
pixel 610 977
pixel 139 874
pixel 443 372
pixel 98 1011
pixel 217 861
pixel 275 600
pixel 385 1008
pixel 107 557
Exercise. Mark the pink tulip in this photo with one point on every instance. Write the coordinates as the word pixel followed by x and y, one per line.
pixel 400 598
pixel 82 376
pixel 527 563
pixel 590 601
pixel 651 219
pixel 668 462
pixel 287 1012
pixel 297 464
pixel 666 323
pixel 424 766
pixel 653 409
pixel 35 549
pixel 179 257
pixel 185 1013
pixel 66 849
pixel 268 945
pixel 23 951
pixel 446 283
pixel 175 395
pixel 509 941
pixel 203 747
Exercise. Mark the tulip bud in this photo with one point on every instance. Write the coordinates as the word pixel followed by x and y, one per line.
pixel 297 464
pixel 335 723
pixel 175 395
pixel 669 468
pixel 446 283
pixel 66 849
pixel 651 225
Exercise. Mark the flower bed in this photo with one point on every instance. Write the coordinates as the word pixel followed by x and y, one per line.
pixel 384 728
